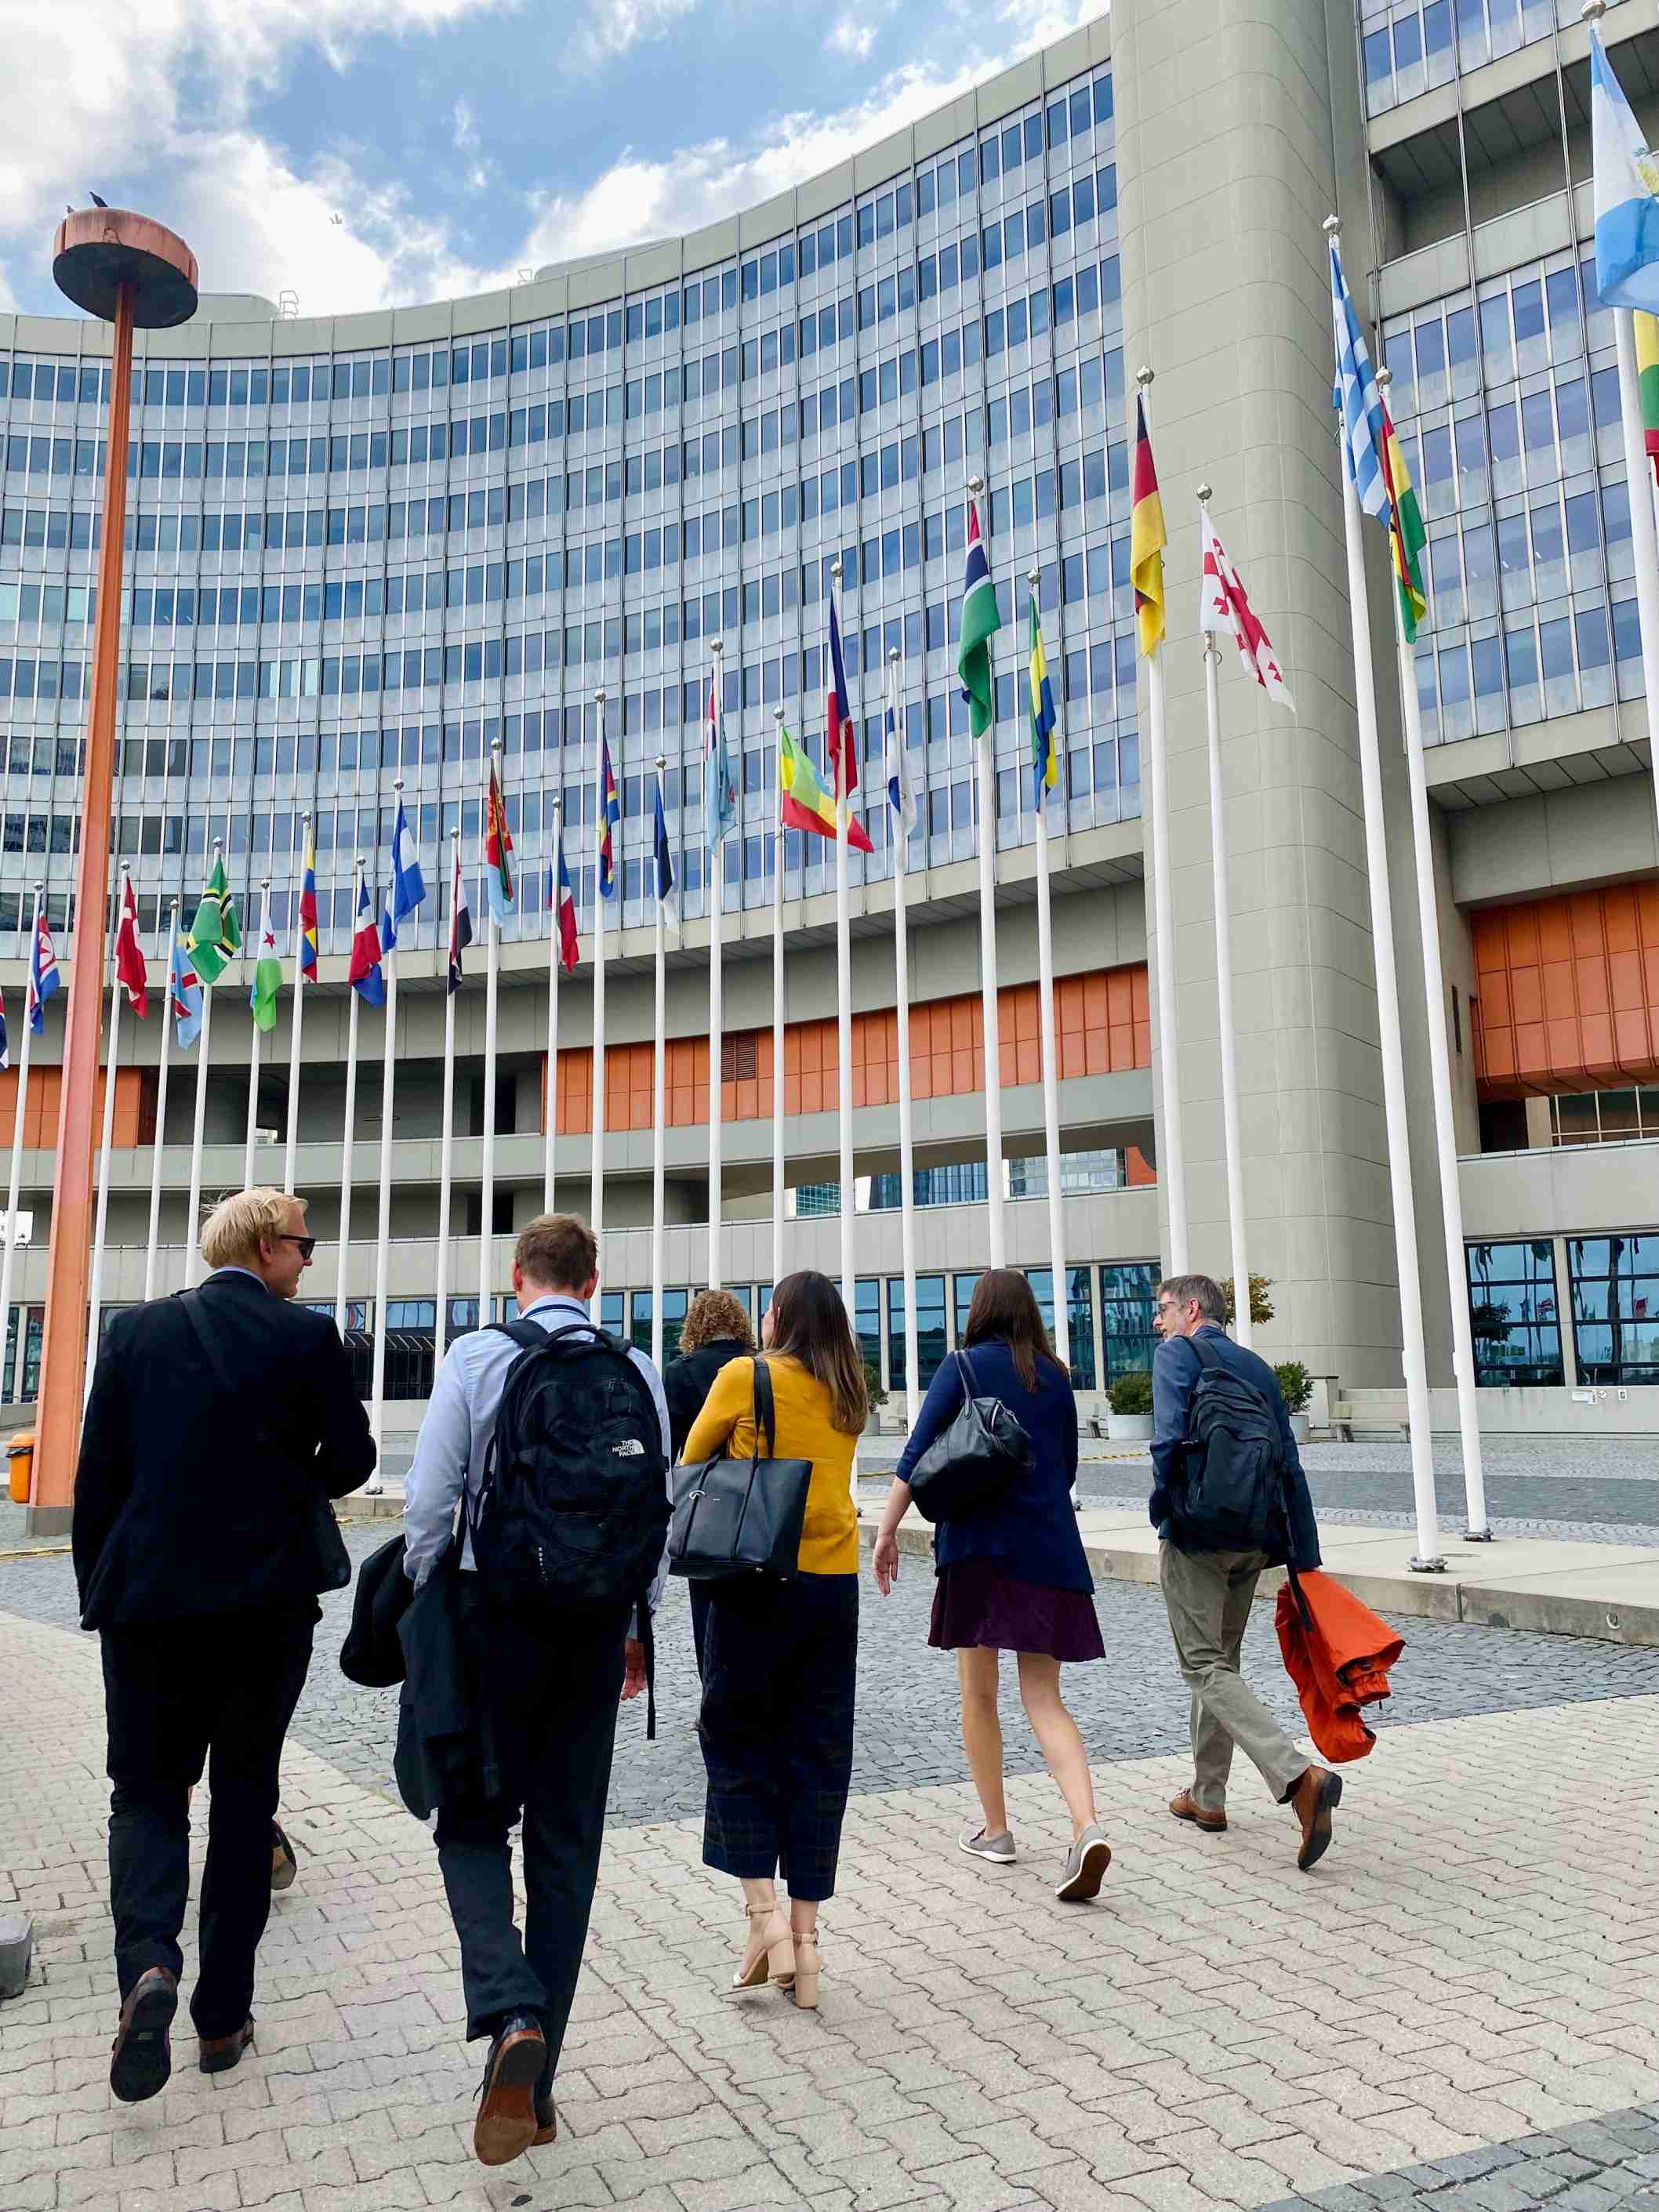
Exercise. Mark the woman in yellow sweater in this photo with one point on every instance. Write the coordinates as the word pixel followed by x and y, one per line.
pixel 779 1657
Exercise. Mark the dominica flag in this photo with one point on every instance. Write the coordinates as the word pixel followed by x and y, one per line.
pixel 214 939
pixel 309 941
pixel 267 968
pixel 981 620
pixel 1045 759
pixel 498 851
pixel 1406 536
pixel 1647 369
pixel 804 802
pixel 1147 539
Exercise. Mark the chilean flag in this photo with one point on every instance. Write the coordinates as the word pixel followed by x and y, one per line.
pixel 569 950
pixel 365 974
pixel 840 745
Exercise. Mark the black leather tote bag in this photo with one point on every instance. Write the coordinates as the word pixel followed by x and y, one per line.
pixel 975 1462
pixel 740 1516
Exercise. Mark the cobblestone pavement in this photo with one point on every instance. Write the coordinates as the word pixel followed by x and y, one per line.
pixel 1460 2005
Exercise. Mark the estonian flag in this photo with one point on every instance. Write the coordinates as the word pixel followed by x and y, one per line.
pixel 460 924
pixel 667 896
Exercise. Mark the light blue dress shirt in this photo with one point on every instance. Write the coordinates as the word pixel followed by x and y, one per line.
pixel 460 1421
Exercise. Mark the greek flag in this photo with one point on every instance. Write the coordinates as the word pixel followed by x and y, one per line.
pixel 1356 398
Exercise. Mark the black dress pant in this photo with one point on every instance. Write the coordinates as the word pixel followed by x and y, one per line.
pixel 780 1661
pixel 549 1691
pixel 218 1690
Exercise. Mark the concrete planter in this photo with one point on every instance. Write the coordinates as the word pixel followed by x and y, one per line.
pixel 1299 1427
pixel 1128 1428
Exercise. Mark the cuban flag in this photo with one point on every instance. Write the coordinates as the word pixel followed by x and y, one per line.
pixel 43 978
pixel 560 893
pixel 309 941
pixel 183 992
pixel 668 896
pixel 365 974
pixel 840 744
pixel 610 819
pixel 720 788
pixel 405 886
pixel 460 922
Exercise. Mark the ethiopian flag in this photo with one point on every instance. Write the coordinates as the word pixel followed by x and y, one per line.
pixel 1647 369
pixel 1406 536
pixel 214 939
pixel 267 970
pixel 804 803
pixel 1147 539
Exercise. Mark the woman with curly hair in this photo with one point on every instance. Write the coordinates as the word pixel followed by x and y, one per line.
pixel 715 1329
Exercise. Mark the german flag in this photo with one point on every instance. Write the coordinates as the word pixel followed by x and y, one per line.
pixel 1147 539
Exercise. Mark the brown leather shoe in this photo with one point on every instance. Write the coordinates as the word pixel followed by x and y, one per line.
pixel 1185 1807
pixel 141 2057
pixel 547 2120
pixel 221 2052
pixel 1314 1799
pixel 508 2122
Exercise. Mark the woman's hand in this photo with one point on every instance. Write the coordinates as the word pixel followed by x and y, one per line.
pixel 884 1560
pixel 633 1668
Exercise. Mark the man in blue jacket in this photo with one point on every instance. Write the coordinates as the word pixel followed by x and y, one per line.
pixel 1208 1593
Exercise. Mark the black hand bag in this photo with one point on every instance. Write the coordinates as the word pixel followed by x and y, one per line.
pixel 976 1462
pixel 736 1516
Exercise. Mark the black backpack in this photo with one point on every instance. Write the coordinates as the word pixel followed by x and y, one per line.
pixel 1231 1497
pixel 572 1513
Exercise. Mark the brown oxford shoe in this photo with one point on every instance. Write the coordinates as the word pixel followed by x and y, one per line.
pixel 141 2057
pixel 221 2052
pixel 1186 1807
pixel 1314 1799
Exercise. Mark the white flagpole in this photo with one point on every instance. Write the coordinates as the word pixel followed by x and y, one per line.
pixel 988 972
pixel 383 1242
pixel 596 1144
pixel 1050 1070
pixel 447 1143
pixel 779 1092
pixel 355 995
pixel 6 1266
pixel 95 1287
pixel 492 974
pixel 152 1250
pixel 193 1219
pixel 291 1148
pixel 844 1010
pixel 553 966
pixel 1412 1356
pixel 1171 1147
pixel 715 855
pixel 253 1059
pixel 659 1140
pixel 901 838
pixel 1446 1136
pixel 1231 1121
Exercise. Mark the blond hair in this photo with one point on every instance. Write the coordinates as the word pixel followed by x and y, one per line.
pixel 233 1232
pixel 715 1317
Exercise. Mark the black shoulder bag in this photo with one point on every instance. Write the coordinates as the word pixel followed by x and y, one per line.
pixel 735 1517
pixel 329 1558
pixel 978 1459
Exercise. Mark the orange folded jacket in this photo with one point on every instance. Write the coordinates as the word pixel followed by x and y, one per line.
pixel 1338 1663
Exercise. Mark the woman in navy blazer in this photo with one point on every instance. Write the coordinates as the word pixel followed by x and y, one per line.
pixel 1012 1578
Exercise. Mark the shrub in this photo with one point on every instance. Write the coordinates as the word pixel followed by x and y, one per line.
pixel 1132 1393
pixel 1295 1383
pixel 1262 1306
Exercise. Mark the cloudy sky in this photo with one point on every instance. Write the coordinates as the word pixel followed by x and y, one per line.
pixel 456 141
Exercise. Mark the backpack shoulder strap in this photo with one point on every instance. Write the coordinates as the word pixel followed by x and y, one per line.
pixel 1206 1354
pixel 528 1335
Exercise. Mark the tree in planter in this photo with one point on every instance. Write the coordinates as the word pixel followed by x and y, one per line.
pixel 1295 1384
pixel 873 1381
pixel 1131 1393
pixel 1262 1306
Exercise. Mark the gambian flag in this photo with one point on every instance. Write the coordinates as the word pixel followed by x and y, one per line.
pixel 981 620
pixel 1647 365
pixel 1406 536
pixel 806 804
pixel 1147 539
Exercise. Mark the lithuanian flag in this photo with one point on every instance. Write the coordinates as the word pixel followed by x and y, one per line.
pixel 1406 536
pixel 1147 539
pixel 804 802
pixel 1647 369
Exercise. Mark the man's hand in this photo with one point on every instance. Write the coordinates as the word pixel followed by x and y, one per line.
pixel 633 1668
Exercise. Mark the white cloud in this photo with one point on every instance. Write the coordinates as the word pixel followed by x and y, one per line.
pixel 464 129
pixel 615 26
pixel 850 37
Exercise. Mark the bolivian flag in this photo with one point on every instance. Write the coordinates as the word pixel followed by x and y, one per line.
pixel 804 802
pixel 1406 536
pixel 1647 369
pixel 1147 539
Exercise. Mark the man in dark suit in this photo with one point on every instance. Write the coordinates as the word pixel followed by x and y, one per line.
pixel 1208 1592
pixel 219 1422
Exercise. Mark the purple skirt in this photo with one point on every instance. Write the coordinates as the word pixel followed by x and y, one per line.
pixel 975 1603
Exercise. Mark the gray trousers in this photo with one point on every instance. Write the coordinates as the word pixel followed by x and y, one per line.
pixel 1208 1596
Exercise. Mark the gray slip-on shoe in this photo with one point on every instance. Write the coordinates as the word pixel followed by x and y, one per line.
pixel 1000 1850
pixel 1085 1867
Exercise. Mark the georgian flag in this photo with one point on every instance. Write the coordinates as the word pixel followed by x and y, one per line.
pixel 1223 607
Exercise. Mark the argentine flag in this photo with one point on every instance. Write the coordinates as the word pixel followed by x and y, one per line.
pixel 1626 181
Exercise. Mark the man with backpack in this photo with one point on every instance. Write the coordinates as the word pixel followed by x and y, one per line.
pixel 1229 1498
pixel 553 1438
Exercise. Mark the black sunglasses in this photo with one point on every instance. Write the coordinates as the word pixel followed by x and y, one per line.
pixel 307 1244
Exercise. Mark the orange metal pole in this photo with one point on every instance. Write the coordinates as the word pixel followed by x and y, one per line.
pixel 63 1353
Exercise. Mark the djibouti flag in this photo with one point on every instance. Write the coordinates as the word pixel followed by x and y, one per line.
pixel 981 620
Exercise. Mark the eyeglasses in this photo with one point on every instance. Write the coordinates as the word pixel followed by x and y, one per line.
pixel 1168 1305
pixel 307 1244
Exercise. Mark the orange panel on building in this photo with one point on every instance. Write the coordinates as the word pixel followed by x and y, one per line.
pixel 135 1106
pixel 1567 993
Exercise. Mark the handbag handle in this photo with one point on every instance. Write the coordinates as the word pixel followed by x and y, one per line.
pixel 969 1380
pixel 765 1415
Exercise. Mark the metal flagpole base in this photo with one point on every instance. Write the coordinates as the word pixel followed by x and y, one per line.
pixel 1427 1566
pixel 1478 1536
